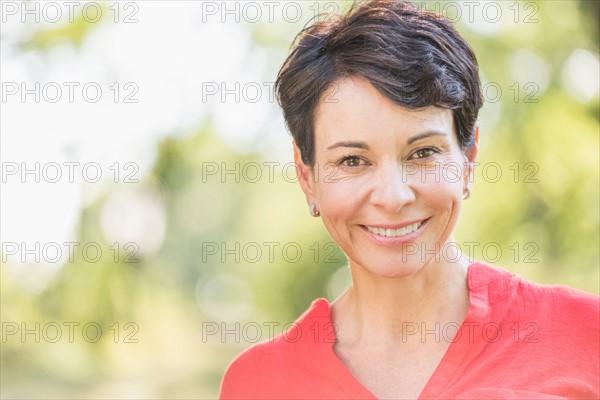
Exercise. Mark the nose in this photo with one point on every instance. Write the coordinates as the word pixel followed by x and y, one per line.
pixel 392 189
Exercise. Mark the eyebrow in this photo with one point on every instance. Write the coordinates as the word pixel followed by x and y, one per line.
pixel 364 146
pixel 358 145
pixel 423 136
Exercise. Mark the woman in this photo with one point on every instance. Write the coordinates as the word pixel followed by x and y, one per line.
pixel 382 105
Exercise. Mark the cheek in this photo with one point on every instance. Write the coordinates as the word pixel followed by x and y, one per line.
pixel 336 198
pixel 442 190
pixel 341 197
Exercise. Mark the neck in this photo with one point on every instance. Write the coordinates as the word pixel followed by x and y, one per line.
pixel 376 309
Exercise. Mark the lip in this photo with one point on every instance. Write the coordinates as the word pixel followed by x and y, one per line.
pixel 396 226
pixel 394 241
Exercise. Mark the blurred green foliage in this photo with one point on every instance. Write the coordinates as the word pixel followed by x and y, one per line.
pixel 172 295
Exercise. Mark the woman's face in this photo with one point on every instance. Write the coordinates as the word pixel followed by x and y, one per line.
pixel 387 181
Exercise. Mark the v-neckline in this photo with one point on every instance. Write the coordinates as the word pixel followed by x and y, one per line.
pixel 448 365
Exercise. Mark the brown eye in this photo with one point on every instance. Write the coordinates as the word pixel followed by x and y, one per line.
pixel 424 153
pixel 350 161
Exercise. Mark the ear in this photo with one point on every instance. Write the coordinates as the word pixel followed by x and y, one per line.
pixel 471 156
pixel 305 176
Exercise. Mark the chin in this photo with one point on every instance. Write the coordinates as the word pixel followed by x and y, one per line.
pixel 394 270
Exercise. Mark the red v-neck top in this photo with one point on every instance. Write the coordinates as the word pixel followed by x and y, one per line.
pixel 519 340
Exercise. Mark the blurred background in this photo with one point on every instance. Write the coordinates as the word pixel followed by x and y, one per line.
pixel 151 223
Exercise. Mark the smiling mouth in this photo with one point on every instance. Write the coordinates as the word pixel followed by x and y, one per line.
pixel 394 232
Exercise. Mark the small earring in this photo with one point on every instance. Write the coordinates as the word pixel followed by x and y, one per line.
pixel 468 194
pixel 313 210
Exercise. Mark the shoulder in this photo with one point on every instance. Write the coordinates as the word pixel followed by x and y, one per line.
pixel 270 368
pixel 571 315
pixel 502 283
pixel 560 298
pixel 549 331
pixel 556 306
pixel 246 375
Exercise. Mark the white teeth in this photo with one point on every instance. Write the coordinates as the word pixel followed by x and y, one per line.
pixel 395 232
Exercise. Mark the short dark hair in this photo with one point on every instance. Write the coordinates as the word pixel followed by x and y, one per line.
pixel 413 57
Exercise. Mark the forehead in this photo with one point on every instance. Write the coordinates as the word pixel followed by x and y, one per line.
pixel 353 108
